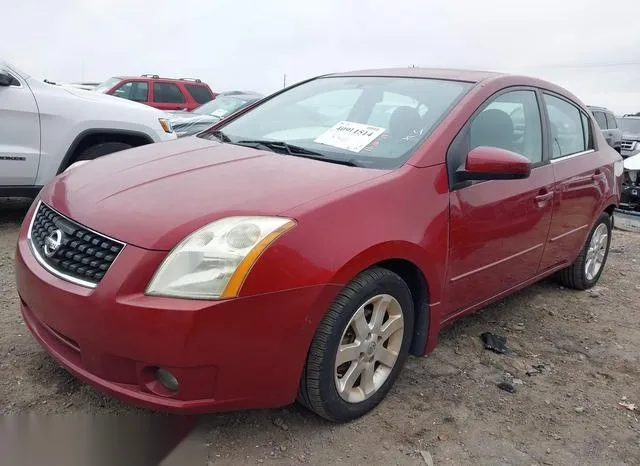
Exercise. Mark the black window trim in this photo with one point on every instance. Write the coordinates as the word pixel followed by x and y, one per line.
pixel 592 139
pixel 546 155
pixel 184 98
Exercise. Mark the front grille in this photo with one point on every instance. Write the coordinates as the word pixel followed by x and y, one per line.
pixel 69 250
pixel 627 145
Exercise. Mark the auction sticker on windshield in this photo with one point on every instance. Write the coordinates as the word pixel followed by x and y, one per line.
pixel 350 136
pixel 219 112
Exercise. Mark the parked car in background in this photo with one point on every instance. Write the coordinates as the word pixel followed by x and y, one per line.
pixel 225 104
pixel 44 128
pixel 159 92
pixel 630 199
pixel 630 127
pixel 294 251
pixel 607 123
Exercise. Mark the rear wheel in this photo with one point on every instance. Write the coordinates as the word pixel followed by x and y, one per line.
pixel 359 348
pixel 586 270
pixel 98 150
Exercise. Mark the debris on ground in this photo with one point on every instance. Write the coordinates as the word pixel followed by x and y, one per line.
pixel 278 422
pixel 629 406
pixel 579 409
pixel 426 456
pixel 507 387
pixel 495 343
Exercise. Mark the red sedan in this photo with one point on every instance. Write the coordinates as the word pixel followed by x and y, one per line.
pixel 304 247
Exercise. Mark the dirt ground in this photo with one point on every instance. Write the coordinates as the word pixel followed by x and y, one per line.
pixel 575 356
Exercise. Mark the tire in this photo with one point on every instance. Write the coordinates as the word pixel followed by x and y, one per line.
pixel 98 150
pixel 577 276
pixel 324 388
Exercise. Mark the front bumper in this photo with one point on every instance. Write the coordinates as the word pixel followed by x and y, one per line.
pixel 243 353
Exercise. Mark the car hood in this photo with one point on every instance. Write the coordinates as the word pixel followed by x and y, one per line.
pixel 632 163
pixel 631 136
pixel 153 196
pixel 188 118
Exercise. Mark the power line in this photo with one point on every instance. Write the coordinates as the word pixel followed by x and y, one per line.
pixel 586 65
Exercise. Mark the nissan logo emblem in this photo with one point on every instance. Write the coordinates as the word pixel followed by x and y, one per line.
pixel 52 243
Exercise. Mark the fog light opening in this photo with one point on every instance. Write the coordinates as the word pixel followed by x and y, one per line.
pixel 167 380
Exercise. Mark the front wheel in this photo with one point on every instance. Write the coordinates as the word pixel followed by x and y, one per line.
pixel 359 348
pixel 586 270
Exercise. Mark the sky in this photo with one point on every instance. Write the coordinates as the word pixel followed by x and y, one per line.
pixel 590 47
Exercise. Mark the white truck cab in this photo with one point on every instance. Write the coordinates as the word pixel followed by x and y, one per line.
pixel 44 128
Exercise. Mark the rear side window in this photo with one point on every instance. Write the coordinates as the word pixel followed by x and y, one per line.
pixel 611 121
pixel 570 129
pixel 200 94
pixel 167 93
pixel 600 119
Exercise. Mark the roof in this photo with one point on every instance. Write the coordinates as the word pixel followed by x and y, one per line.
pixel 473 76
pixel 595 107
pixel 156 77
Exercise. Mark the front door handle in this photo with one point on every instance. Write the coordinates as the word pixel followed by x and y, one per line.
pixel 542 199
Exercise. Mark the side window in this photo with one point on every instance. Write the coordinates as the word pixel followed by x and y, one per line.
pixel 133 90
pixel 600 119
pixel 567 127
pixel 512 122
pixel 167 93
pixel 611 121
pixel 200 94
pixel 586 128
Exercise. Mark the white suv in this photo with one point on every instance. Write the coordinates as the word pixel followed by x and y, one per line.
pixel 44 128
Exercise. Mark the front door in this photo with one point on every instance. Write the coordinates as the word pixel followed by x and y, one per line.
pixel 19 134
pixel 579 187
pixel 499 228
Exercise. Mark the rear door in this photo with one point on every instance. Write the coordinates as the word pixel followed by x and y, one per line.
pixel 19 133
pixel 498 228
pixel 580 180
pixel 168 96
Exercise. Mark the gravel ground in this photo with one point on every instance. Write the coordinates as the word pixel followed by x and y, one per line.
pixel 574 359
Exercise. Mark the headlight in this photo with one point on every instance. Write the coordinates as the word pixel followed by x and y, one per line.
pixel 166 126
pixel 213 262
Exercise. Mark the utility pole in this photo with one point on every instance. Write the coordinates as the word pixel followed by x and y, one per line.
pixel 284 81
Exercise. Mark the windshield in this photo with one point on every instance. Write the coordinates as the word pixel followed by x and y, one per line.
pixel 629 125
pixel 374 122
pixel 108 84
pixel 221 106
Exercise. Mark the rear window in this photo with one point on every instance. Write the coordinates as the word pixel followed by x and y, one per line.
pixel 200 94
pixel 167 93
pixel 600 119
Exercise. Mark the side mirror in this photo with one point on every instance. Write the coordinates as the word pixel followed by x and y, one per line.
pixel 5 79
pixel 492 163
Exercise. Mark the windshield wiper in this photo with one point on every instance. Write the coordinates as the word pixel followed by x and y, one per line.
pixel 218 134
pixel 280 146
